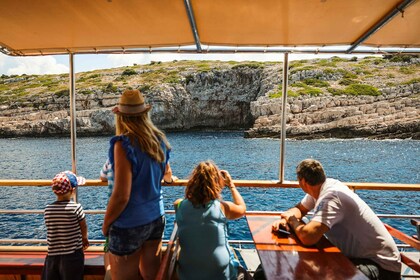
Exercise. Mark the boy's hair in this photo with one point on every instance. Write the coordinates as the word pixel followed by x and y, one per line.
pixel 312 171
pixel 204 184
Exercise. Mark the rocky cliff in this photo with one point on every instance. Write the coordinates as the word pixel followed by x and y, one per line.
pixel 325 99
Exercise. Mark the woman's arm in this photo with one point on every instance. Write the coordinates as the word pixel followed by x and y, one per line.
pixel 167 177
pixel 237 208
pixel 122 187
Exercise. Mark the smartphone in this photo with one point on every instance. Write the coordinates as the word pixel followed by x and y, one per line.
pixel 283 232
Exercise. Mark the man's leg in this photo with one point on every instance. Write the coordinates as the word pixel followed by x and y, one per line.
pixel 367 267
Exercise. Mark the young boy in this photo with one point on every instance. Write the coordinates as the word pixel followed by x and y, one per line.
pixel 66 231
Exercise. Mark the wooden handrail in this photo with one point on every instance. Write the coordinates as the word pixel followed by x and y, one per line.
pixel 408 240
pixel 167 265
pixel 410 262
pixel 239 183
pixel 403 237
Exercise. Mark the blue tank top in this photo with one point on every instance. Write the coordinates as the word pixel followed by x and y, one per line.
pixel 146 203
pixel 203 237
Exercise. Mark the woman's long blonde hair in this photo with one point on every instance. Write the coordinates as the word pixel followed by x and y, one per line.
pixel 204 184
pixel 141 130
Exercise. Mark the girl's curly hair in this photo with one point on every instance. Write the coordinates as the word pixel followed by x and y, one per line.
pixel 204 184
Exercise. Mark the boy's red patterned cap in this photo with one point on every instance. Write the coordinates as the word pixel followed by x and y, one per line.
pixel 63 182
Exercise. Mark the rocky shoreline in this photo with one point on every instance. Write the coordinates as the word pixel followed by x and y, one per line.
pixel 228 98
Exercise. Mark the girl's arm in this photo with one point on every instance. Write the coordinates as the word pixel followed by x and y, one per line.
pixel 237 208
pixel 122 187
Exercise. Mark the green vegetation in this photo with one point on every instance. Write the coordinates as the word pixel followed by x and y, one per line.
pixel 360 89
pixel 110 87
pixel 62 92
pixel 407 70
pixel 129 72
pixel 412 81
pixel 304 68
pixel 310 91
pixel 315 82
pixel 335 91
pixel 279 94
pixel 145 88
pixel 355 76
pixel 347 81
pixel 400 57
pixel 253 65
pixel 327 63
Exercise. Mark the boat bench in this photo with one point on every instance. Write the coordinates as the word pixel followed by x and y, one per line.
pixel 26 262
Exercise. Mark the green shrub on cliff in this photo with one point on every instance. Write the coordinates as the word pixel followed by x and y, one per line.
pixel 62 92
pixel 253 65
pixel 279 94
pixel 335 91
pixel 347 81
pixel 110 87
pixel 129 72
pixel 310 91
pixel 412 81
pixel 360 89
pixel 316 82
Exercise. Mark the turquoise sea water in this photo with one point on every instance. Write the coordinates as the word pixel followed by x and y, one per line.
pixel 357 160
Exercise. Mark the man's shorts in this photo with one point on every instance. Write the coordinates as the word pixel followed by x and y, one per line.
pixel 125 241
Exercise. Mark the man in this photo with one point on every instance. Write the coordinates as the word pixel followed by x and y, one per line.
pixel 346 220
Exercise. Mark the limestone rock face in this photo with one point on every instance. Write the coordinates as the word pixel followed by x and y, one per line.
pixel 229 98
pixel 394 114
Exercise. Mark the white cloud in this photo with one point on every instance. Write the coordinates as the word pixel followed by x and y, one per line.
pixel 31 65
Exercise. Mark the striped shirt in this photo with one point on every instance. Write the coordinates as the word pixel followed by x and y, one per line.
pixel 64 235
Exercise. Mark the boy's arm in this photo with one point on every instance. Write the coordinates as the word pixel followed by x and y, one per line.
pixel 83 228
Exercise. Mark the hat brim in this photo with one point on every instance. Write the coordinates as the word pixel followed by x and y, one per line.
pixel 116 110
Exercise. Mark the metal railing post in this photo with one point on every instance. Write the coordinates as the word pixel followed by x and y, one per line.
pixel 283 116
pixel 72 95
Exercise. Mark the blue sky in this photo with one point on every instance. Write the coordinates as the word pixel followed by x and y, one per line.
pixel 60 63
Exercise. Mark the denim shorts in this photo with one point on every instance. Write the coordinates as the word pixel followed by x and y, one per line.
pixel 125 241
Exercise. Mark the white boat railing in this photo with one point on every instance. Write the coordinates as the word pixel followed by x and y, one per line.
pixel 239 183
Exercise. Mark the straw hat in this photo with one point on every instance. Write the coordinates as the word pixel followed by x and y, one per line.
pixel 131 103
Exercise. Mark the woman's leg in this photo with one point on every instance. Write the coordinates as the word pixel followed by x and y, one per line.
pixel 150 257
pixel 125 267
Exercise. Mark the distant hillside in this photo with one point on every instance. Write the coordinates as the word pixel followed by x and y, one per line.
pixel 327 98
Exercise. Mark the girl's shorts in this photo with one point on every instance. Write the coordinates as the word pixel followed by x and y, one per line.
pixel 125 241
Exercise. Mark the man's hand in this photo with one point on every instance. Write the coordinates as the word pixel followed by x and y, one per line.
pixel 280 224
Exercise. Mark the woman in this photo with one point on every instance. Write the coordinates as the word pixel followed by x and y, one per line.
pixel 202 225
pixel 134 219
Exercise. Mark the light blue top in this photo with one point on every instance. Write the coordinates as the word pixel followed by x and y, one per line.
pixel 203 238
pixel 145 204
pixel 107 173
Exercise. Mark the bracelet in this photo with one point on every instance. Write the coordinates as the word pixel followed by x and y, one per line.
pixel 172 180
pixel 231 187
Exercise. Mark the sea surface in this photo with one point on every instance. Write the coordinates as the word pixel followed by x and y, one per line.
pixel 356 160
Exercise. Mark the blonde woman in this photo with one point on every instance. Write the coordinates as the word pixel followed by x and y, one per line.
pixel 202 225
pixel 134 220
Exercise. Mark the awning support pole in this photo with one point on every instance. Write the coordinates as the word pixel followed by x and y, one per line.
pixel 283 116
pixel 379 24
pixel 193 24
pixel 72 94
